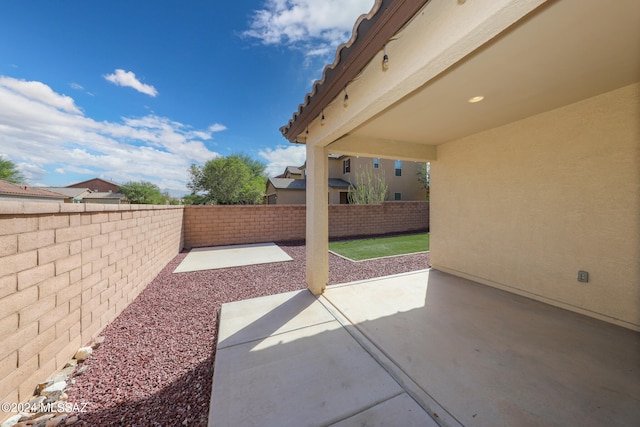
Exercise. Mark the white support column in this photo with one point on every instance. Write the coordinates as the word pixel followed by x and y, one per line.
pixel 317 219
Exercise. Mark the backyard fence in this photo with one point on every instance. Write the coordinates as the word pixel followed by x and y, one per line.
pixel 229 225
pixel 67 270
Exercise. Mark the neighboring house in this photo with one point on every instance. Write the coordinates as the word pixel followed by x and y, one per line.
pixel 24 193
pixel 400 176
pixel 285 191
pixel 529 114
pixel 289 191
pixel 344 172
pixel 97 185
pixel 72 194
pixel 292 172
pixel 102 191
pixel 106 197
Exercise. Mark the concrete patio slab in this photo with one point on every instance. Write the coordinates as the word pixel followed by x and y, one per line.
pixel 213 258
pixel 301 368
pixel 259 318
pixel 400 410
pixel 493 358
pixel 422 348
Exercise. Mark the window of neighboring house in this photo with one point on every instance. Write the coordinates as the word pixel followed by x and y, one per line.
pixel 398 167
pixel 346 166
pixel 397 196
pixel 376 163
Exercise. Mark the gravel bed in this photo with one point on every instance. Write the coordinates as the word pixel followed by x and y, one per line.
pixel 155 366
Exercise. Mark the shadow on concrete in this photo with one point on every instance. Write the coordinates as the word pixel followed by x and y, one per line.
pixel 482 356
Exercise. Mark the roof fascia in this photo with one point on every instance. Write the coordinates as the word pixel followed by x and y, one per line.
pixel 371 36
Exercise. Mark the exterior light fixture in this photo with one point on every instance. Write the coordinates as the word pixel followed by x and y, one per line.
pixel 476 99
pixel 385 59
pixel 322 119
pixel 345 101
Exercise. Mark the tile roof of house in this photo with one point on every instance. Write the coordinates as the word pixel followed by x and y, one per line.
pixel 293 170
pixel 67 191
pixel 104 195
pixel 8 188
pixel 338 183
pixel 370 33
pixel 288 183
pixel 93 179
pixel 301 184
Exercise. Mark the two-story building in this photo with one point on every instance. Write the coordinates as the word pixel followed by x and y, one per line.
pixel 402 179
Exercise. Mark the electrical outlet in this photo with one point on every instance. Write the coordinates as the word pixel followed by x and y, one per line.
pixel 583 276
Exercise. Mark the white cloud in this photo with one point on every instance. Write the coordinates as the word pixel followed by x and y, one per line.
pixel 39 93
pixel 76 86
pixel 282 156
pixel 217 127
pixel 318 27
pixel 128 79
pixel 60 171
pixel 30 171
pixel 40 128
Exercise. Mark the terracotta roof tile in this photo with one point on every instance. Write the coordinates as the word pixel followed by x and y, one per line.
pixel 8 188
pixel 370 32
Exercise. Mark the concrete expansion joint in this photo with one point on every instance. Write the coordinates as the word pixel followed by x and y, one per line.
pixel 366 408
pixel 275 334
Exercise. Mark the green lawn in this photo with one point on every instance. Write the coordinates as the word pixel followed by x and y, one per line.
pixel 380 247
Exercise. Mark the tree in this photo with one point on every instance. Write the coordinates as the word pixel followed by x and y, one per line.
pixel 424 176
pixel 143 192
pixel 9 172
pixel 231 180
pixel 194 199
pixel 371 189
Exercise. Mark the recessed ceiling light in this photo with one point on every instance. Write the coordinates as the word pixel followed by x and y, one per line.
pixel 475 99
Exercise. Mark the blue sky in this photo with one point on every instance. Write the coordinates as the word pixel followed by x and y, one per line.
pixel 140 90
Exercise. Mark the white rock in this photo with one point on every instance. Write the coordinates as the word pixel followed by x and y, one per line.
pixel 11 421
pixel 57 387
pixel 43 385
pixel 97 342
pixel 83 353
pixel 37 401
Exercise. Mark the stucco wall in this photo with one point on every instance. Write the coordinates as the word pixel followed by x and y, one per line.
pixel 229 225
pixel 524 206
pixel 66 271
pixel 407 183
pixel 291 197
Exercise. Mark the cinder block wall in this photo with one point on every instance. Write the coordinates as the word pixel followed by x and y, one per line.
pixel 229 225
pixel 388 217
pixel 242 224
pixel 66 271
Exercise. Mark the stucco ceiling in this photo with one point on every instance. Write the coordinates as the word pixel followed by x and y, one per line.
pixel 565 51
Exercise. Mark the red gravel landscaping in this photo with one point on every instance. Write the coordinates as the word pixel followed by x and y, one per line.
pixel 155 366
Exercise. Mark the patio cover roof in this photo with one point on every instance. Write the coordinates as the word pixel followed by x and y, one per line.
pixel 526 57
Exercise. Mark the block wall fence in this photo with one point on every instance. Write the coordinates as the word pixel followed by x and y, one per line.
pixel 229 225
pixel 67 270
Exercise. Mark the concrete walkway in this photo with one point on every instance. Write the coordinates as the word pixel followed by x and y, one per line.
pixel 420 349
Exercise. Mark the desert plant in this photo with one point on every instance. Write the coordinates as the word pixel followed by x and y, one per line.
pixel 371 187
